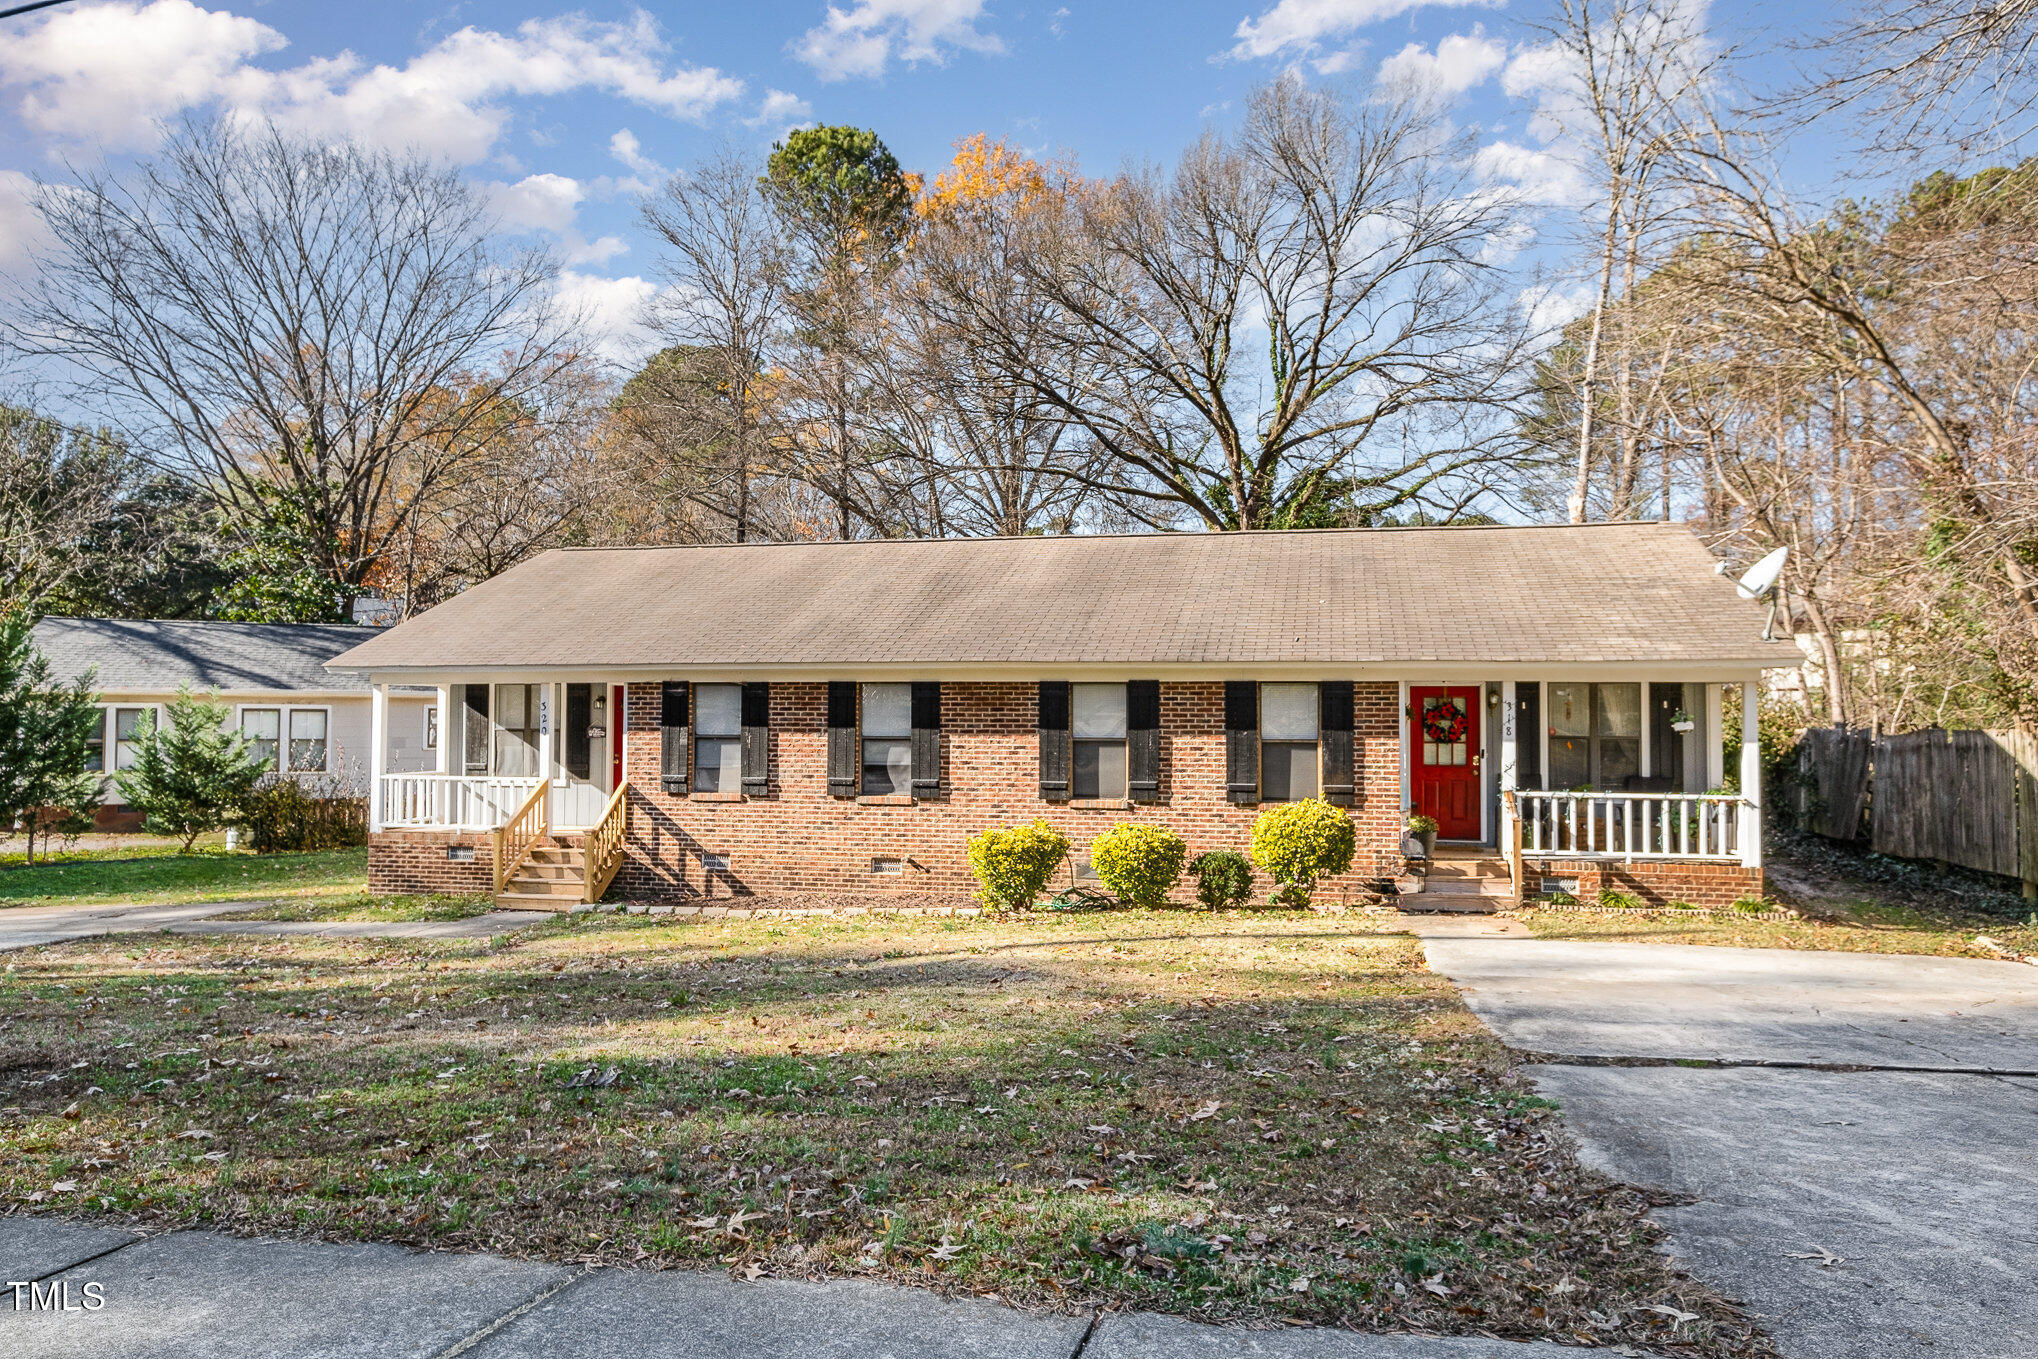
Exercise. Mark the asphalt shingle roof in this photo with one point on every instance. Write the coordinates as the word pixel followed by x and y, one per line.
pixel 1601 592
pixel 159 655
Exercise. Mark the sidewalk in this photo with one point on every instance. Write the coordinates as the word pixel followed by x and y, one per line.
pixel 199 1295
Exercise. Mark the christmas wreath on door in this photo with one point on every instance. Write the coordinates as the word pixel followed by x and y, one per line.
pixel 1444 722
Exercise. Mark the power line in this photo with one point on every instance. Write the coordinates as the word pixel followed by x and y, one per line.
pixel 24 9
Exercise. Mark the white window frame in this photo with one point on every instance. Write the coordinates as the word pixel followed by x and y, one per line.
pixel 718 737
pixel 290 760
pixel 113 712
pixel 431 736
pixel 283 712
pixel 1122 740
pixel 864 739
pixel 104 742
pixel 1315 744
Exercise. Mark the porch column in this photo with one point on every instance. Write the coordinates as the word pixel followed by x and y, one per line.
pixel 444 752
pixel 1751 774
pixel 378 750
pixel 1510 753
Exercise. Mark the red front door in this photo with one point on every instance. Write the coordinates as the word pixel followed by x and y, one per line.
pixel 1443 736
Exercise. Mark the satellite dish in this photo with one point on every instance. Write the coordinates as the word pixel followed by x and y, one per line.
pixel 1761 577
pixel 1761 580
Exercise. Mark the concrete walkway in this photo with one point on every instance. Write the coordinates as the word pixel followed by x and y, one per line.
pixel 1885 1213
pixel 473 927
pixel 198 1295
pixel 27 926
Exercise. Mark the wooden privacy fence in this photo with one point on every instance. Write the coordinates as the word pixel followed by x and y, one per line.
pixel 1960 797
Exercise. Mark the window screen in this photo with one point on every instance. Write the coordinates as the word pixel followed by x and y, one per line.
pixel 264 729
pixel 516 730
pixel 887 722
pixel 1288 734
pixel 1098 729
pixel 1595 734
pixel 127 727
pixel 718 738
pixel 307 740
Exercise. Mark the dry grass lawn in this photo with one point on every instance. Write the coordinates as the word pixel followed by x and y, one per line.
pixel 1271 1117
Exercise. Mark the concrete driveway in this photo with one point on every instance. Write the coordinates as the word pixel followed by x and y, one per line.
pixel 1889 1211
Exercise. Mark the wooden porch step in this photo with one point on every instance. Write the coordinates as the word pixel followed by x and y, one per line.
pixel 523 901
pixel 553 887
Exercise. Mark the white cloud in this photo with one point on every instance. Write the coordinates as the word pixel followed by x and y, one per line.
pixel 863 39
pixel 625 147
pixel 782 109
pixel 1460 61
pixel 1544 178
pixel 612 309
pixel 1297 28
pixel 600 250
pixel 541 202
pixel 98 74
pixel 1550 309
pixel 107 73
pixel 21 228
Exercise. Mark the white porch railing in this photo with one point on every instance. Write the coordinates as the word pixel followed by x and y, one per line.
pixel 1619 825
pixel 452 801
pixel 470 802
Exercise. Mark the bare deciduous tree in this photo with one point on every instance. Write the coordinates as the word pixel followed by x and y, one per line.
pixel 1297 325
pixel 297 314
pixel 725 306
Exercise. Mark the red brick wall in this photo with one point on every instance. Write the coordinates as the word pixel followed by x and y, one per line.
pixel 798 838
pixel 1655 881
pixel 415 861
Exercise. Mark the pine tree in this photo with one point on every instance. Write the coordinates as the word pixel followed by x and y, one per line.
pixel 46 729
pixel 194 775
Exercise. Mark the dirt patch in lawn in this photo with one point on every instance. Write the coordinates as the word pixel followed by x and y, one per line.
pixel 1273 1117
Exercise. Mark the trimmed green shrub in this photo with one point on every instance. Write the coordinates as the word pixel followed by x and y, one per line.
pixel 1140 864
pixel 1297 843
pixel 1013 865
pixel 281 818
pixel 1224 878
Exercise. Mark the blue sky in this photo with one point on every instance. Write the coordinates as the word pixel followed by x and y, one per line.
pixel 567 114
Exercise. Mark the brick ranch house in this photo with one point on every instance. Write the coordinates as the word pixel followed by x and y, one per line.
pixel 821 717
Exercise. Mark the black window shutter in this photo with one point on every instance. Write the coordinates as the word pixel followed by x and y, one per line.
pixel 1528 734
pixel 926 738
pixel 756 739
pixel 1334 723
pixel 675 744
pixel 842 761
pixel 1054 740
pixel 474 729
pixel 1143 740
pixel 579 714
pixel 1242 740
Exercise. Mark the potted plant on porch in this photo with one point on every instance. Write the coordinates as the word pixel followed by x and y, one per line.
pixel 1423 830
pixel 1681 721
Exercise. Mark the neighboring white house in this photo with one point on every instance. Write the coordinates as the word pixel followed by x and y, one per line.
pixel 312 721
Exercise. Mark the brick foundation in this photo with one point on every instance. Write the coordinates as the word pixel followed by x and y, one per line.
pixel 1713 885
pixel 417 861
pixel 797 838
